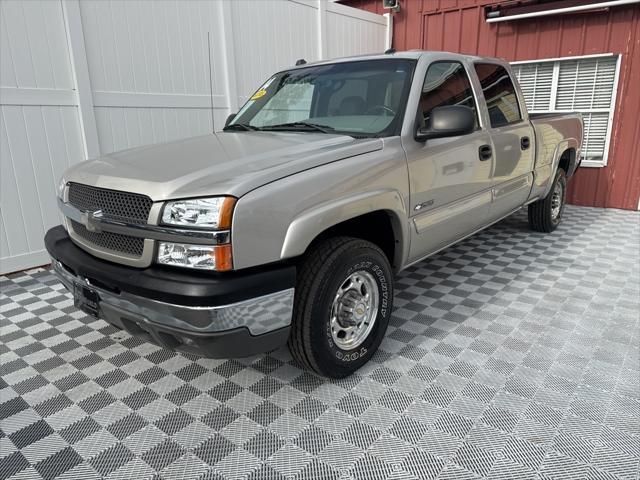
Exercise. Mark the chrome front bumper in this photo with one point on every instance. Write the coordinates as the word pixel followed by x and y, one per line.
pixel 259 315
pixel 214 315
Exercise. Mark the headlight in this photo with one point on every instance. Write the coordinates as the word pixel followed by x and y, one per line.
pixel 214 213
pixel 61 185
pixel 205 257
pixel 206 213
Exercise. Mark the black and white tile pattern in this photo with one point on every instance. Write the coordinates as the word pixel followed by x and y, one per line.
pixel 511 355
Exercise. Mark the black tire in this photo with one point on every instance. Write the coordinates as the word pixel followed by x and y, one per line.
pixel 541 217
pixel 321 273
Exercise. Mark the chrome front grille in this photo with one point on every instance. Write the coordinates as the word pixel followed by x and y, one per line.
pixel 132 246
pixel 127 207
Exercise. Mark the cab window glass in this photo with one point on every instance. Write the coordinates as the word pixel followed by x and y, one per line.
pixel 446 83
pixel 499 93
pixel 349 99
pixel 292 103
pixel 359 98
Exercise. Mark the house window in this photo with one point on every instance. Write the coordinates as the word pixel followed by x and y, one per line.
pixel 582 84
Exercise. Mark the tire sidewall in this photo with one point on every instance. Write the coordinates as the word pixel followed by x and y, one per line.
pixel 332 357
pixel 562 180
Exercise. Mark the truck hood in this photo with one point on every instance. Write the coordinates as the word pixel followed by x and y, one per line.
pixel 224 163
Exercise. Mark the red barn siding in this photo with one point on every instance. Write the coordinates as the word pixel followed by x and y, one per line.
pixel 459 26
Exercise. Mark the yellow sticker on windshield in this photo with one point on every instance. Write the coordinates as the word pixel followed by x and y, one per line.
pixel 260 93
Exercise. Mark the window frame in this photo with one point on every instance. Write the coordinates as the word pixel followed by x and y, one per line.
pixel 554 96
pixel 520 102
pixel 479 118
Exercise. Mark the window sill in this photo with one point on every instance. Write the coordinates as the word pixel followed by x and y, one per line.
pixel 593 164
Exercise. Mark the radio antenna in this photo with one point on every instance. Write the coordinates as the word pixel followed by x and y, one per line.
pixel 213 125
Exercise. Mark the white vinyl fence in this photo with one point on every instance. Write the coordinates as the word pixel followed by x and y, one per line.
pixel 82 78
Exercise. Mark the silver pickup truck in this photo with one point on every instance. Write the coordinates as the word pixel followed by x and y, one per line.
pixel 289 225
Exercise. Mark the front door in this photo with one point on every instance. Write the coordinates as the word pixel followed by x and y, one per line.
pixel 450 178
pixel 513 140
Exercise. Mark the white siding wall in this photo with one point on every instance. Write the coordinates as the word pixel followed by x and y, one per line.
pixel 149 69
pixel 97 76
pixel 349 31
pixel 39 129
pixel 295 37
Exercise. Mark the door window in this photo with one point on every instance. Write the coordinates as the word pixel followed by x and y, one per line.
pixel 499 93
pixel 446 83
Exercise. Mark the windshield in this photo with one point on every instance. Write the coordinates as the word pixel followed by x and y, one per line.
pixel 360 98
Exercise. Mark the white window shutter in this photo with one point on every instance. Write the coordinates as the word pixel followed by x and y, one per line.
pixel 585 85
pixel 595 135
pixel 535 81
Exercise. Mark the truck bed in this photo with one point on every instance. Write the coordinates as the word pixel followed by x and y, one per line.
pixel 551 129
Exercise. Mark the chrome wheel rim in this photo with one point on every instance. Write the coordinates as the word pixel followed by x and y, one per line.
pixel 354 310
pixel 556 201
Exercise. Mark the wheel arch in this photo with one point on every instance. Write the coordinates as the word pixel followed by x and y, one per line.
pixel 379 217
pixel 567 160
pixel 565 154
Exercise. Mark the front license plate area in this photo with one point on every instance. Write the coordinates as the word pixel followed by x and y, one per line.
pixel 86 299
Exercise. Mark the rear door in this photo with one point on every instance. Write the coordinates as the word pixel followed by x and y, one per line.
pixel 450 185
pixel 512 136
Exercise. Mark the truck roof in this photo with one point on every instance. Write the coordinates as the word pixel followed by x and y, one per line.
pixel 411 54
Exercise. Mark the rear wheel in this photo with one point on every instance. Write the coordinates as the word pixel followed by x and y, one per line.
pixel 545 215
pixel 344 297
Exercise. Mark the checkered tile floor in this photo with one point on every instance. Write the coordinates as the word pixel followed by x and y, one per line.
pixel 510 355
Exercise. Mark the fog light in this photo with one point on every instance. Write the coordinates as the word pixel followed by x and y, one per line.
pixel 203 257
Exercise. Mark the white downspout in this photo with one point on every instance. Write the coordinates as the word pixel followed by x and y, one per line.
pixel 388 43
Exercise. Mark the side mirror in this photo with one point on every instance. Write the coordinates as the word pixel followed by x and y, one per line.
pixel 447 121
pixel 229 120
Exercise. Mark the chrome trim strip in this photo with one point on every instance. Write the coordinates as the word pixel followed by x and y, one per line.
pixel 428 219
pixel 512 186
pixel 260 314
pixel 94 221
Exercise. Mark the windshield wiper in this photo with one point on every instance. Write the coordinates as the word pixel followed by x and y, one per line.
pixel 240 126
pixel 300 126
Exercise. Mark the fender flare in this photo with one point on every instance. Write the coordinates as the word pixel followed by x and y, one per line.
pixel 561 147
pixel 311 223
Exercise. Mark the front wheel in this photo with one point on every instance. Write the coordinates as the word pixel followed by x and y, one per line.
pixel 344 298
pixel 545 215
